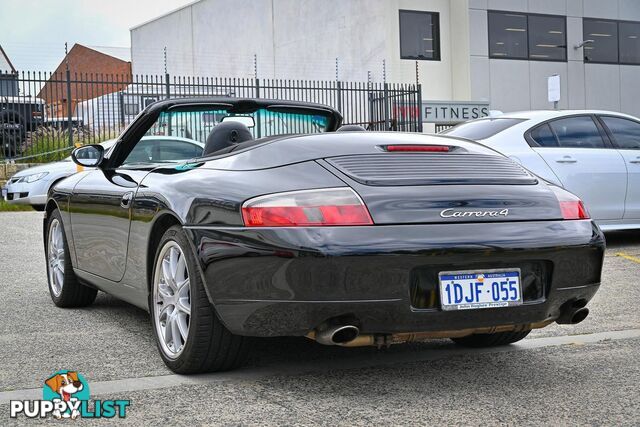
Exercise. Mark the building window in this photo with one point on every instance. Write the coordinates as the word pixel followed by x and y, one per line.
pixel 131 109
pixel 507 35
pixel 547 37
pixel 603 47
pixel 611 42
pixel 419 35
pixel 629 36
pixel 527 36
pixel 148 100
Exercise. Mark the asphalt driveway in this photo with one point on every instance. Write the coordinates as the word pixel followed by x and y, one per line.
pixel 583 374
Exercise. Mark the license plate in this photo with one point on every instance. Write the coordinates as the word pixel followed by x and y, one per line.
pixel 465 290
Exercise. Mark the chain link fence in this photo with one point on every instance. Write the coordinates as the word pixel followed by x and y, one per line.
pixel 44 115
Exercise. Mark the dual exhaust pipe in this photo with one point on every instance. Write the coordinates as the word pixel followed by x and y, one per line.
pixel 348 335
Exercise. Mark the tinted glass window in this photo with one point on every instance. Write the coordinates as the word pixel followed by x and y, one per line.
pixel 629 42
pixel 419 35
pixel 543 136
pixel 547 35
pixel 626 133
pixel 481 129
pixel 507 35
pixel 577 132
pixel 605 40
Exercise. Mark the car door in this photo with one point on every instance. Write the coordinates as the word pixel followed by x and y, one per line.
pixel 101 203
pixel 580 155
pixel 99 210
pixel 625 134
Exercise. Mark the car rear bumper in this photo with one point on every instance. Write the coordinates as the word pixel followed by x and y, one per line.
pixel 288 281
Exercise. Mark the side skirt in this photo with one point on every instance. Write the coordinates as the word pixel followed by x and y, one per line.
pixel 120 290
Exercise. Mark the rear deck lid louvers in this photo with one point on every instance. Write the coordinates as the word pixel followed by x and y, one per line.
pixel 393 169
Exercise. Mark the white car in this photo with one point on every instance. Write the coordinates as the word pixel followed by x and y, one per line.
pixel 31 186
pixel 593 154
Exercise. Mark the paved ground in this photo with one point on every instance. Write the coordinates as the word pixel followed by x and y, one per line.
pixel 583 374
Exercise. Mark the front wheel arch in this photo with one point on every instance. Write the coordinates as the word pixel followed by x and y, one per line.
pixel 49 208
pixel 54 182
pixel 160 225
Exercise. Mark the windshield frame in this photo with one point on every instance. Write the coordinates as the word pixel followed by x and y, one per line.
pixel 149 115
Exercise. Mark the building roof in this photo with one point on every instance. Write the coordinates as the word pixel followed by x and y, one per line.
pixel 122 53
pixel 8 61
pixel 87 64
pixel 164 14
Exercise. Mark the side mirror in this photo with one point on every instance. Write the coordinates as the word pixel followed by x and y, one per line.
pixel 88 155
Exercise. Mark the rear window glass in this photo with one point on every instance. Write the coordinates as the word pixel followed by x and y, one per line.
pixel 543 136
pixel 481 129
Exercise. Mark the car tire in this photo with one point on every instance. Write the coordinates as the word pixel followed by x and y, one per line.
pixel 209 346
pixel 65 288
pixel 491 340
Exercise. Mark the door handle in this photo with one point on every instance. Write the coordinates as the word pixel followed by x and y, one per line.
pixel 636 161
pixel 125 202
pixel 566 159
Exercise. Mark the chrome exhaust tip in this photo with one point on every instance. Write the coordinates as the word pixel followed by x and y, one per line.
pixel 337 335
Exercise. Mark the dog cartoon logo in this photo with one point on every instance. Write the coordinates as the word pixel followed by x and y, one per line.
pixel 69 387
pixel 66 395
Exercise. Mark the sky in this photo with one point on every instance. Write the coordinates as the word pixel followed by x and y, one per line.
pixel 33 32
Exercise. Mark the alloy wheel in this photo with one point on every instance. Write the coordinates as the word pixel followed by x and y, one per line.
pixel 56 257
pixel 171 299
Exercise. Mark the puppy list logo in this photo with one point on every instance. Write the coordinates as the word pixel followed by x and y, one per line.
pixel 66 395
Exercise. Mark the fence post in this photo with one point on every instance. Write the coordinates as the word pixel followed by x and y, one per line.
pixel 386 106
pixel 167 85
pixel 121 99
pixel 258 121
pixel 69 110
pixel 420 108
pixel 339 95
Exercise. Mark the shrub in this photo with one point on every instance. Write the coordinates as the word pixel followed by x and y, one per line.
pixel 50 145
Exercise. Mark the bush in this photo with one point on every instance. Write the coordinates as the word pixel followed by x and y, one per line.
pixel 50 145
pixel 47 145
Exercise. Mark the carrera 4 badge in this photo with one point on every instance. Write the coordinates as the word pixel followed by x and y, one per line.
pixel 453 213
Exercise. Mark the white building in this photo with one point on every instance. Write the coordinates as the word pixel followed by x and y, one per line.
pixel 499 52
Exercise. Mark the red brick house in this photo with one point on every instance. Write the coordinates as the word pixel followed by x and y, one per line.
pixel 85 65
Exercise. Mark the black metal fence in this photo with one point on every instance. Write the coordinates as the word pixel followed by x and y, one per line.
pixel 44 115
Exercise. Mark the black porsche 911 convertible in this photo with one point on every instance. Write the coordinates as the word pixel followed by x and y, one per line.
pixel 280 222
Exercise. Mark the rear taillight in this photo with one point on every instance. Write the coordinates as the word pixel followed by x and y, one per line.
pixel 571 206
pixel 418 148
pixel 323 207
